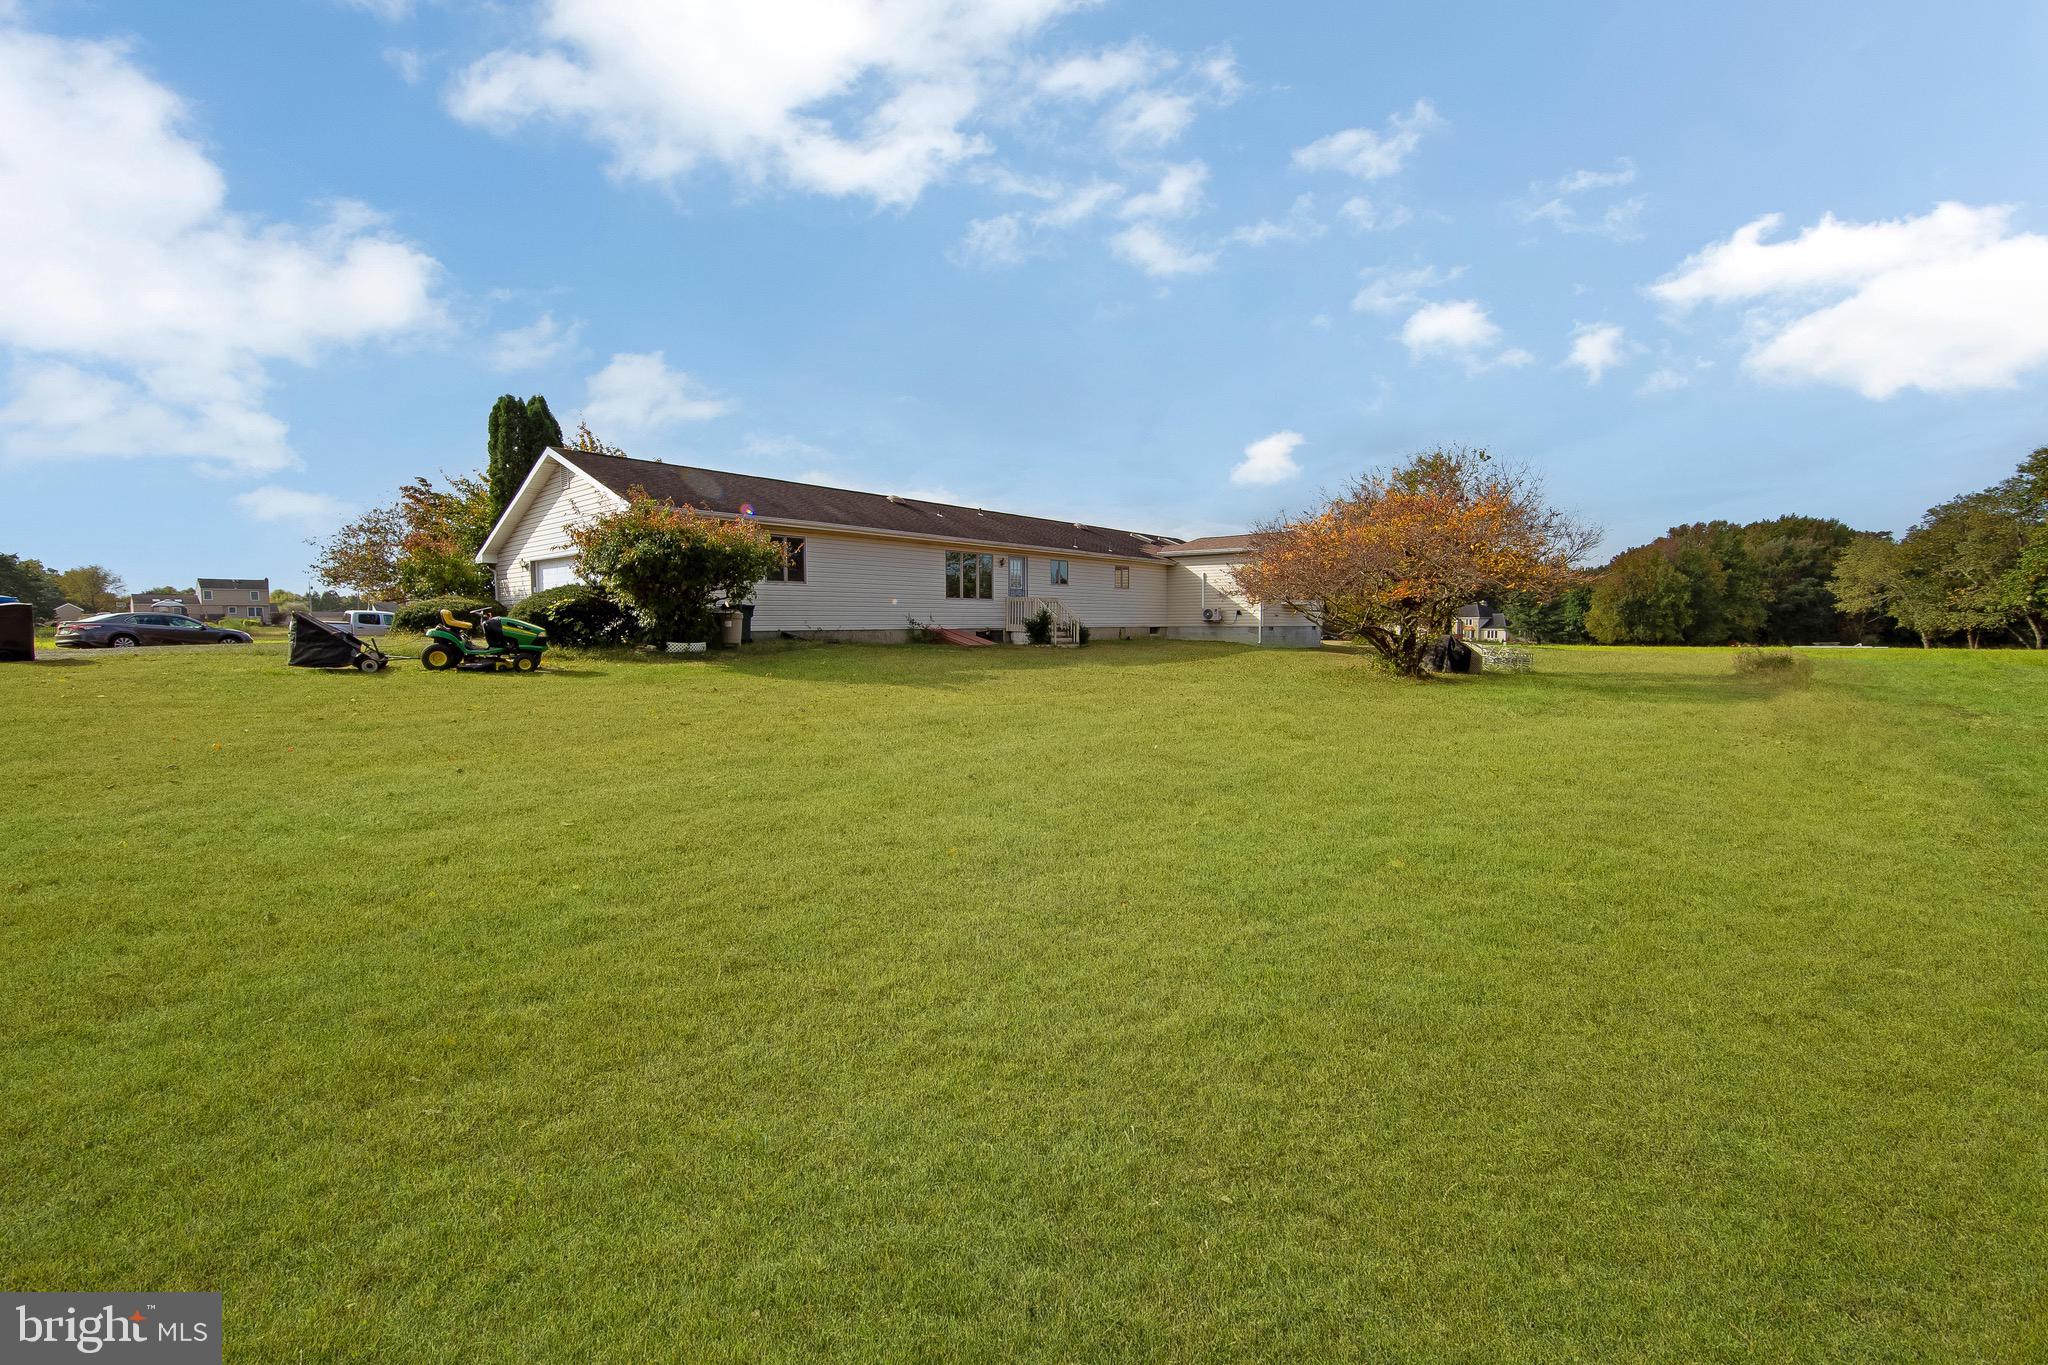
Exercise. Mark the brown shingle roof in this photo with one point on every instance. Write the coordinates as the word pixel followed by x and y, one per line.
pixel 234 584
pixel 1208 543
pixel 710 490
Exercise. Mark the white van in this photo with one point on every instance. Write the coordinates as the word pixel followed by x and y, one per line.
pixel 361 624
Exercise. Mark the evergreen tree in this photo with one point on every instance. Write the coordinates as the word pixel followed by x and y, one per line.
pixel 518 433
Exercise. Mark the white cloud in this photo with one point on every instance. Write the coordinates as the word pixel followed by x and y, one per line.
pixel 1951 301
pixel 1009 239
pixel 1219 69
pixel 1555 203
pixel 1157 255
pixel 992 243
pixel 1597 348
pixel 1514 358
pixel 1367 154
pixel 273 503
pixel 1389 289
pixel 873 98
pixel 152 312
pixel 539 343
pixel 406 63
pixel 1664 379
pixel 1179 193
pixel 1268 460
pixel 390 11
pixel 1147 121
pixel 1091 76
pixel 1361 215
pixel 1081 204
pixel 1458 328
pixel 1300 225
pixel 1578 182
pixel 638 395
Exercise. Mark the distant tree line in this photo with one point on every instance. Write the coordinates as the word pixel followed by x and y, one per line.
pixel 1972 571
pixel 90 586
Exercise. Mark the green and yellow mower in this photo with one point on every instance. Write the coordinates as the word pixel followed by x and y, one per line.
pixel 508 643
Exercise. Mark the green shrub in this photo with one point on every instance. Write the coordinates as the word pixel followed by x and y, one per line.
pixel 1773 665
pixel 1082 634
pixel 418 617
pixel 578 614
pixel 1038 626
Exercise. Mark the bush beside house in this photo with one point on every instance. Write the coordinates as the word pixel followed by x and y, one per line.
pixel 578 614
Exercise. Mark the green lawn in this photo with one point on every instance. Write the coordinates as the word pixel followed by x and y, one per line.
pixel 1140 1002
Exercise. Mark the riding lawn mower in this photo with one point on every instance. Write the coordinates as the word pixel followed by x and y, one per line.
pixel 508 643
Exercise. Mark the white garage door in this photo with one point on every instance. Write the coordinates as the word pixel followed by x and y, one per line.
pixel 554 573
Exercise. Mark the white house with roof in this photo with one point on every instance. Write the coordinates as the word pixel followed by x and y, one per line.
pixel 863 566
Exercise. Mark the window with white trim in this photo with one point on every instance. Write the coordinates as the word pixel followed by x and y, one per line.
pixel 1123 576
pixel 792 567
pixel 1058 574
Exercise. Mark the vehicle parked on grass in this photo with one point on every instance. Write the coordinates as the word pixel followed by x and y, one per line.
pixel 359 623
pixel 508 643
pixel 128 629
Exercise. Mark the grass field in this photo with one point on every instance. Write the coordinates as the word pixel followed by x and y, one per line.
pixel 1140 1002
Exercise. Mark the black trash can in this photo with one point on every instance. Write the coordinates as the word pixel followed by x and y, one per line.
pixel 17 633
pixel 746 623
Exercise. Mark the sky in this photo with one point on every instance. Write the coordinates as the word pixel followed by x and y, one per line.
pixel 1173 267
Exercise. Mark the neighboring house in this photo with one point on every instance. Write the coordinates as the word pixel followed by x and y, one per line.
pixel 862 566
pixel 1480 621
pixel 70 612
pixel 177 606
pixel 249 598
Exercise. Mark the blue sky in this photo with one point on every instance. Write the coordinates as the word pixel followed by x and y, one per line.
pixel 1174 267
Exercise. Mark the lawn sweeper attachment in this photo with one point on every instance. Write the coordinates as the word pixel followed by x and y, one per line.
pixel 316 644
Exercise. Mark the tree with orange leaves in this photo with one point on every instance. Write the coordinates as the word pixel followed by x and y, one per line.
pixel 1392 559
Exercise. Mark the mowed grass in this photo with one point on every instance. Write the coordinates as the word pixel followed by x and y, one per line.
pixel 1140 1002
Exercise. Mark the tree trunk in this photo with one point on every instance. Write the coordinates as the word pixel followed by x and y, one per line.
pixel 1923 641
pixel 1971 636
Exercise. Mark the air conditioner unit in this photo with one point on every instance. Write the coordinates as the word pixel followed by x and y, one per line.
pixel 1212 613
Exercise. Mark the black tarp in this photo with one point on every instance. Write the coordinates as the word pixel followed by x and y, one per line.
pixel 1448 655
pixel 17 633
pixel 315 644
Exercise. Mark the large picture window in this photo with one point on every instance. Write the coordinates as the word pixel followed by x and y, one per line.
pixel 969 574
pixel 792 570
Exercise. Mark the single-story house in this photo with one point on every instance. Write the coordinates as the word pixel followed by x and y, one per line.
pixel 1480 621
pixel 69 611
pixel 863 566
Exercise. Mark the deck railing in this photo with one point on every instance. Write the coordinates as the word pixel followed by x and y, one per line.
pixel 1066 627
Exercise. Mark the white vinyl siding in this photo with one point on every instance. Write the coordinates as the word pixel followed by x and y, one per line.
pixel 1090 591
pixel 1206 581
pixel 868 583
pixel 542 532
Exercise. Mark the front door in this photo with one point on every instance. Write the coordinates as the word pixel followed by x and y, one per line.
pixel 1020 576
